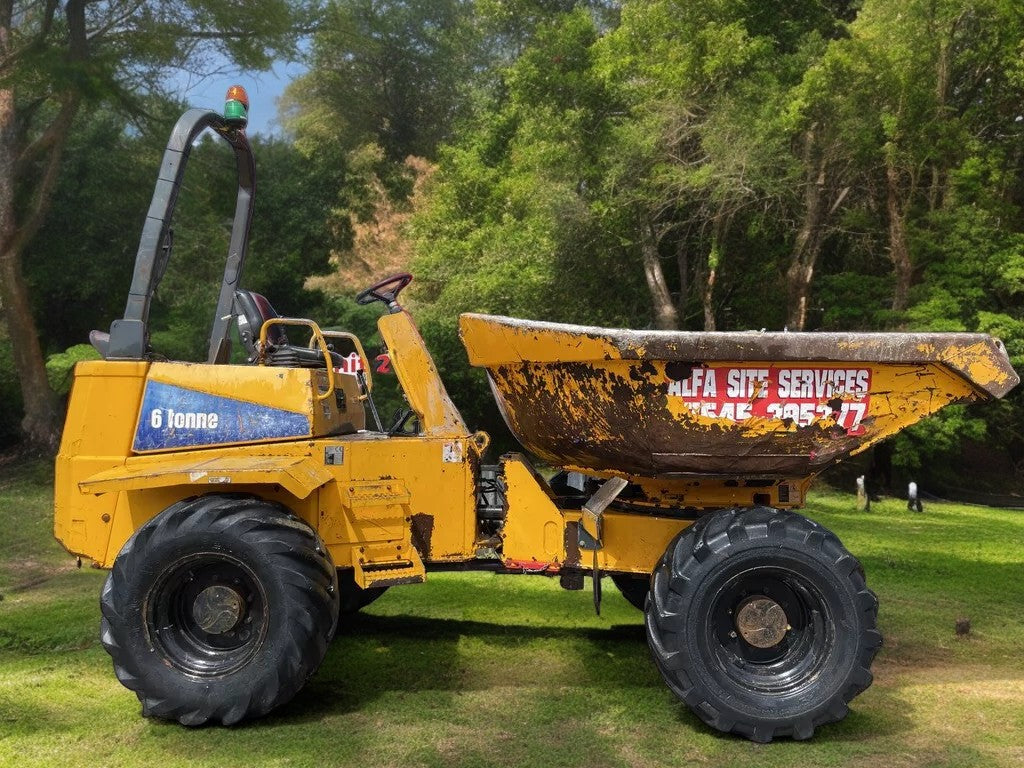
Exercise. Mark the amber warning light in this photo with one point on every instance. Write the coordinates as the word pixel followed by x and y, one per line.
pixel 236 106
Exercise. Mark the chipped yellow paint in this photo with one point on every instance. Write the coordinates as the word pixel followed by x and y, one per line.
pixel 630 543
pixel 978 363
pixel 612 397
pixel 716 492
pixel 419 378
pixel 101 501
pixel 489 343
pixel 531 510
pixel 300 476
pixel 540 537
pixel 317 341
pixel 900 395
pixel 631 408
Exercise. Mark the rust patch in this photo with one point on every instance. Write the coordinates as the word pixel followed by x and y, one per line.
pixel 629 416
pixel 531 566
pixel 643 371
pixel 572 544
pixel 679 371
pixel 422 530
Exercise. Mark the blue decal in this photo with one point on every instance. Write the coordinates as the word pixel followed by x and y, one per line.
pixel 175 417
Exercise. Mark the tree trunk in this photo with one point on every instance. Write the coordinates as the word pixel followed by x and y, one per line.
pixel 666 317
pixel 899 251
pixel 807 246
pixel 938 169
pixel 40 161
pixel 714 257
pixel 683 266
pixel 40 425
pixel 708 295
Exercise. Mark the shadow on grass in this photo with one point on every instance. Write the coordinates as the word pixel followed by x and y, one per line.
pixel 377 655
pixel 27 717
pixel 422 627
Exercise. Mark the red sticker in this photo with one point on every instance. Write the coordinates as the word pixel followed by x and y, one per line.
pixel 802 395
pixel 351 364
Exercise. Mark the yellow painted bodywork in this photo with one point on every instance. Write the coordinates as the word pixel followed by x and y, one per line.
pixel 541 537
pixel 384 505
pixel 390 507
pixel 416 370
pixel 363 507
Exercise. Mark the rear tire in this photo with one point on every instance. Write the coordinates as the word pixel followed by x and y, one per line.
pixel 633 588
pixel 761 622
pixel 219 609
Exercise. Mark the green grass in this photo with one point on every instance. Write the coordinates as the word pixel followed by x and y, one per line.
pixel 480 670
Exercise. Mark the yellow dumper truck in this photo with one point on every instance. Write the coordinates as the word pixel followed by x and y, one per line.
pixel 242 507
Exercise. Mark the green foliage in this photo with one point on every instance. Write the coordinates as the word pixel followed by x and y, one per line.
pixel 390 73
pixel 60 367
pixel 574 140
pixel 79 267
pixel 937 438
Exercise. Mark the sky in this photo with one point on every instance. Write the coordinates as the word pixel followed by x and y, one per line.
pixel 263 88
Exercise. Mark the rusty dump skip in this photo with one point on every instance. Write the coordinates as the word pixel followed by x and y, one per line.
pixel 662 403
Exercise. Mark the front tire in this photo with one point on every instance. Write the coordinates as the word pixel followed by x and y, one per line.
pixel 219 609
pixel 353 597
pixel 761 622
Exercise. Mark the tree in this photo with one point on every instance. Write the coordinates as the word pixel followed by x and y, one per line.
pixel 834 147
pixel 852 165
pixel 916 88
pixel 392 73
pixel 708 87
pixel 57 59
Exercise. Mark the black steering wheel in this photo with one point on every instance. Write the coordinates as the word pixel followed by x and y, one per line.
pixel 386 290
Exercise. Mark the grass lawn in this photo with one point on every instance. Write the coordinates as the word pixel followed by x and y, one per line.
pixel 481 670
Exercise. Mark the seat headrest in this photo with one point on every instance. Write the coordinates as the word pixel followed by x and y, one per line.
pixel 253 310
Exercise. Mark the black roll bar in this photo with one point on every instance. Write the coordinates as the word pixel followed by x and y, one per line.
pixel 129 337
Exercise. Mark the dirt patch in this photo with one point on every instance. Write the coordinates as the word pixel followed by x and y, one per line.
pixel 30 574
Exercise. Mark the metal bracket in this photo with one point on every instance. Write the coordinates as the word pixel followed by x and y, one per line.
pixel 590 526
pixel 586 541
pixel 593 510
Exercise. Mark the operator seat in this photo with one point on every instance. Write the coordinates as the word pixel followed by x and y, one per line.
pixel 253 310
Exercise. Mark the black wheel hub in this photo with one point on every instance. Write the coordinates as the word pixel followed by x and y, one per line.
pixel 207 615
pixel 218 609
pixel 762 622
pixel 768 631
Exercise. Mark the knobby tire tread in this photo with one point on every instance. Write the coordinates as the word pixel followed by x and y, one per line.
pixel 673 582
pixel 306 572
